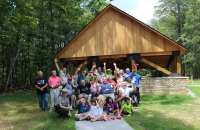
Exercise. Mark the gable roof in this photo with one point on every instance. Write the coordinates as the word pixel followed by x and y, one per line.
pixel 182 49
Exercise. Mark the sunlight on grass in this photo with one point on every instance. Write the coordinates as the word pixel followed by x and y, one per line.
pixel 164 112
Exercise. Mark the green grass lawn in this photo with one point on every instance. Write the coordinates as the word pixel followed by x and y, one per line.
pixel 19 111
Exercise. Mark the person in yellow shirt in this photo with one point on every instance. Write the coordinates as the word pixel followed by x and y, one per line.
pixel 126 108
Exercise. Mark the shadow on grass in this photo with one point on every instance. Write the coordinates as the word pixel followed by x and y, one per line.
pixel 167 99
pixel 20 111
pixel 154 120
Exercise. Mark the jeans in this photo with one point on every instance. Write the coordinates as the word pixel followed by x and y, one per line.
pixel 43 101
pixel 54 93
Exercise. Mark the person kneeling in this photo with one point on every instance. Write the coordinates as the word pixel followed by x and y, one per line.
pixel 63 107
pixel 83 110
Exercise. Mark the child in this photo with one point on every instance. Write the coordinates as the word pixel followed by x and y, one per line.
pixel 83 110
pixel 126 108
pixel 111 107
pixel 94 110
pixel 101 106
pixel 94 86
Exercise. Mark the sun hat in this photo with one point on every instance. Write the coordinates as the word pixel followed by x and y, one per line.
pixel 109 70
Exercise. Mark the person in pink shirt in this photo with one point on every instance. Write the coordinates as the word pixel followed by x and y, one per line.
pixel 54 82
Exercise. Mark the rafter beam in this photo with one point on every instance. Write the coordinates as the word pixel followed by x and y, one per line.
pixel 156 66
pixel 80 66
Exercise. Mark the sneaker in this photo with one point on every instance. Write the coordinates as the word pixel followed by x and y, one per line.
pixel 76 119
pixel 71 108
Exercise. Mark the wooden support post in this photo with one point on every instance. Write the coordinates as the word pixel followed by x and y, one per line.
pixel 178 64
pixel 80 66
pixel 133 64
pixel 156 66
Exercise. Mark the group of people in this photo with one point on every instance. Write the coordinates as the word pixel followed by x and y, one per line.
pixel 97 95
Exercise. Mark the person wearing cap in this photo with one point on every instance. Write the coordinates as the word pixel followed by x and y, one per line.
pixel 54 82
pixel 64 105
pixel 71 88
pixel 136 80
pixel 41 84
pixel 108 72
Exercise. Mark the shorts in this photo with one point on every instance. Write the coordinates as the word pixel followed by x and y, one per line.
pixel 125 113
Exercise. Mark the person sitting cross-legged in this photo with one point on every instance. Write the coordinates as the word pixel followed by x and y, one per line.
pixel 71 88
pixel 83 110
pixel 63 105
pixel 126 109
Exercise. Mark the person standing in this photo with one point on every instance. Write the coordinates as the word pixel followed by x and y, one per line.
pixel 100 75
pixel 61 73
pixel 136 80
pixel 41 84
pixel 54 82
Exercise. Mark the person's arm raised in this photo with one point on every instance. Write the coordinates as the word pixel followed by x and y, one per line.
pixel 104 67
pixel 76 73
pixel 56 64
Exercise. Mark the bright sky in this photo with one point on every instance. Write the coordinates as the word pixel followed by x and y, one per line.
pixel 140 9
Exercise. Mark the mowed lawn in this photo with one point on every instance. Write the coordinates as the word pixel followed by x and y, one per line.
pixel 19 111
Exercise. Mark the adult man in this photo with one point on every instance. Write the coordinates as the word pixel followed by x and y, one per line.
pixel 63 71
pixel 80 77
pixel 41 84
pixel 84 90
pixel 70 88
pixel 136 79
pixel 54 82
pixel 106 89
pixel 99 74
pixel 128 73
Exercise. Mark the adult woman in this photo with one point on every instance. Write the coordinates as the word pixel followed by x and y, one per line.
pixel 63 105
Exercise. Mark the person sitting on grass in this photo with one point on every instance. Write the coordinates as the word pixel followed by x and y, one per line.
pixel 127 108
pixel 63 105
pixel 94 110
pixel 112 108
pixel 83 110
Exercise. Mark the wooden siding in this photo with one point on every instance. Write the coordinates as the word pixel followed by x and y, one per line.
pixel 113 33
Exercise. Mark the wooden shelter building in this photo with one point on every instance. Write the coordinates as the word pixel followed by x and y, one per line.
pixel 116 37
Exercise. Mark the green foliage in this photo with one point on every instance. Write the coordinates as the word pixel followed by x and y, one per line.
pixel 39 29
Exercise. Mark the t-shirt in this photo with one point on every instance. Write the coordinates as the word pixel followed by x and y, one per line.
pixel 100 75
pixel 108 75
pixel 85 89
pixel 64 74
pixel 106 88
pixel 93 87
pixel 126 91
pixel 80 78
pixel 126 75
pixel 110 107
pixel 54 81
pixel 101 110
pixel 136 78
pixel 63 100
pixel 82 109
pixel 127 108
pixel 112 82
pixel 129 85
pixel 94 111
pixel 40 82
pixel 70 88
